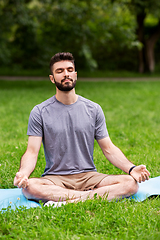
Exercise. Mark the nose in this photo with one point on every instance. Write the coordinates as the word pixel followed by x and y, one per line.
pixel 66 74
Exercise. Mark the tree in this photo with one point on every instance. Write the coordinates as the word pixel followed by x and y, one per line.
pixel 6 26
pixel 97 32
pixel 17 36
pixel 147 35
pixel 92 30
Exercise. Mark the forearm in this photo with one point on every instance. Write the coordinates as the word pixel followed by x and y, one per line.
pixel 28 163
pixel 114 155
pixel 117 158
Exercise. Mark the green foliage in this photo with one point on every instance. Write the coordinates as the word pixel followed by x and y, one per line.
pixel 97 32
pixel 16 26
pixel 147 34
pixel 149 6
pixel 100 34
pixel 89 29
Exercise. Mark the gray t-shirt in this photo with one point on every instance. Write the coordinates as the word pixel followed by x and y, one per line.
pixel 68 133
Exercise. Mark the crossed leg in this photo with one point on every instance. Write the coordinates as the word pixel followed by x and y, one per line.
pixel 112 186
pixel 45 190
pixel 116 186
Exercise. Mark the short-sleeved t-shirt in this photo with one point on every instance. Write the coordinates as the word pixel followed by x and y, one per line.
pixel 68 133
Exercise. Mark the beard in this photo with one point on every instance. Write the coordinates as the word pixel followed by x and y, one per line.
pixel 68 86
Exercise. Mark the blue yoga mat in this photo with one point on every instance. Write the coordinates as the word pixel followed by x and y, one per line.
pixel 147 189
pixel 14 198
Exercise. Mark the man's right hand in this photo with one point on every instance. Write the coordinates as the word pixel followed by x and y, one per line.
pixel 20 180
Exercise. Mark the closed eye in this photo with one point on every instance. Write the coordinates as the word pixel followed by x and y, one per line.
pixel 70 69
pixel 59 70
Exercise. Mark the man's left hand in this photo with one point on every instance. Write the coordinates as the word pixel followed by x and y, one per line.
pixel 140 173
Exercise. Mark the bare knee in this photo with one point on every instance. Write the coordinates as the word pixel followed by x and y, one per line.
pixel 132 185
pixel 30 190
pixel 34 188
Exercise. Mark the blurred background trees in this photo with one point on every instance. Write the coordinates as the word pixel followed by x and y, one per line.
pixel 101 34
pixel 147 13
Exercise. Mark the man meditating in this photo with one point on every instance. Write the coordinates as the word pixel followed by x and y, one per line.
pixel 67 124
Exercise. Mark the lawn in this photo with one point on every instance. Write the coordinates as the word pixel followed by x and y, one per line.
pixel 133 121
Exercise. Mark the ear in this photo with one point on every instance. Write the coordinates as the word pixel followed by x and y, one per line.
pixel 51 78
pixel 76 76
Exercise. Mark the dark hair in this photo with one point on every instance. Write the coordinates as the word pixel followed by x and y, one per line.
pixel 62 56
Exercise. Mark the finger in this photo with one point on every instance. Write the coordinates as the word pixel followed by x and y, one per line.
pixel 23 183
pixel 146 175
pixel 140 179
pixel 17 178
pixel 18 175
pixel 19 185
pixel 16 181
pixel 143 177
pixel 147 172
pixel 143 167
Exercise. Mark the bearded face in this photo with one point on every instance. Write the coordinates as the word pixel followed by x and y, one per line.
pixel 64 75
pixel 66 84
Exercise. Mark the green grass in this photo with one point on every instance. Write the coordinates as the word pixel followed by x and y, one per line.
pixel 133 121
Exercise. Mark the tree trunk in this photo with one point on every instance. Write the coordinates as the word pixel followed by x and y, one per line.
pixel 150 44
pixel 140 34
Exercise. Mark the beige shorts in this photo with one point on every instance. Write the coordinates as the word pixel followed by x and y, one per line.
pixel 81 181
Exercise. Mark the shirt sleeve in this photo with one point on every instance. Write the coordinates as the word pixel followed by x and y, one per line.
pixel 100 125
pixel 35 127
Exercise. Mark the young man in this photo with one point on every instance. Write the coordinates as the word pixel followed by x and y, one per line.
pixel 67 124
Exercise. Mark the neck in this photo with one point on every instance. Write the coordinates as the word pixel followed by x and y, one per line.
pixel 66 98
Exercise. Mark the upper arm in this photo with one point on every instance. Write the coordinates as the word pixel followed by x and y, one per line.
pixel 35 123
pixel 105 144
pixel 100 124
pixel 34 144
